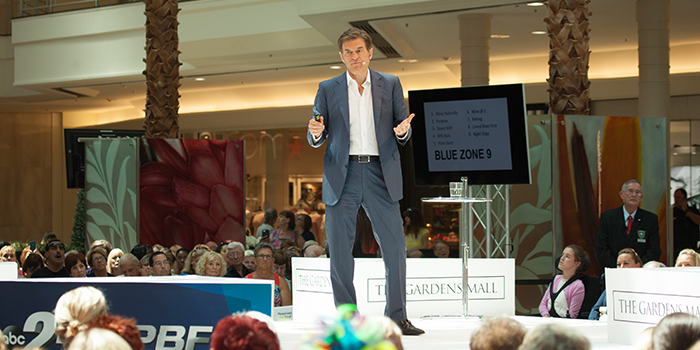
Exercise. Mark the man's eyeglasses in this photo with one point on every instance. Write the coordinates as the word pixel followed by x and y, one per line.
pixel 631 192
pixel 264 256
pixel 160 263
pixel 235 254
pixel 56 245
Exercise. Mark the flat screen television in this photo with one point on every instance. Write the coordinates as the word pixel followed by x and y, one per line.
pixel 75 150
pixel 478 131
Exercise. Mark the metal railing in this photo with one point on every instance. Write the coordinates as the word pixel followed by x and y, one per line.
pixel 39 7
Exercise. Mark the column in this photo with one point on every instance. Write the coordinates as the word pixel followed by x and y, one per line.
pixel 474 35
pixel 653 18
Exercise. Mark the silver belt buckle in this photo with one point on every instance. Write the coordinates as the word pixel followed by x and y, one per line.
pixel 363 159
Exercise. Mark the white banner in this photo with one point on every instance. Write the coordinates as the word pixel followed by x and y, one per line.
pixel 640 298
pixel 433 287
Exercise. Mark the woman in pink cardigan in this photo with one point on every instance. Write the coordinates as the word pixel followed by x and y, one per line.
pixel 566 290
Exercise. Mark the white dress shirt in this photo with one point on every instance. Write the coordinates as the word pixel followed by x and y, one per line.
pixel 363 139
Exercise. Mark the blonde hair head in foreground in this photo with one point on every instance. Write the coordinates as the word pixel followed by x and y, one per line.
pixel 98 339
pixel 75 309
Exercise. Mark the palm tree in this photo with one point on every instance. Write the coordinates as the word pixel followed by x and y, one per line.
pixel 567 27
pixel 162 69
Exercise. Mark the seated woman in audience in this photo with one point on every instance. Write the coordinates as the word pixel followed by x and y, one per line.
pixel 113 259
pixel 193 258
pixel 145 268
pixel 264 255
pixel 8 254
pixel 688 257
pixel 302 225
pixel 285 230
pixel 676 331
pixel 564 296
pixel 97 259
pixel 234 257
pixel 279 265
pixel 33 262
pixel 75 309
pixel 76 264
pixel 414 229
pixel 211 264
pixel 626 258
pixel 243 332
pixel 249 260
pixel 180 257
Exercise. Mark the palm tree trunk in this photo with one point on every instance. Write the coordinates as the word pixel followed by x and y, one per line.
pixel 567 27
pixel 162 69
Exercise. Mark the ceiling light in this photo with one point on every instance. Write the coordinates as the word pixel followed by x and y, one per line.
pixel 335 67
pixel 408 61
pixel 533 4
pixel 539 32
pixel 500 36
pixel 199 79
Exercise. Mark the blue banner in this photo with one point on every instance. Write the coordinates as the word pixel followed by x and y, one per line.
pixel 171 312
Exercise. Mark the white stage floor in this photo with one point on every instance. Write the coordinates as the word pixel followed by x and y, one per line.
pixel 452 333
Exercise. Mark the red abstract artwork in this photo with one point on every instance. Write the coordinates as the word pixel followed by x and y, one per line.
pixel 192 191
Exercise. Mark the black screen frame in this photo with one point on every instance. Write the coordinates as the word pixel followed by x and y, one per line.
pixel 517 124
pixel 75 151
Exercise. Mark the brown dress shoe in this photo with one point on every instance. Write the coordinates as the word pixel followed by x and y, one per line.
pixel 408 329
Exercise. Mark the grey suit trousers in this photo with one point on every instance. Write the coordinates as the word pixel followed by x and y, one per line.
pixel 365 186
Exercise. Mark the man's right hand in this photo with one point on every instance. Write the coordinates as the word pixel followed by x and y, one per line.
pixel 316 127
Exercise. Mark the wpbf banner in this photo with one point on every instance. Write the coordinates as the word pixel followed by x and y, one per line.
pixel 172 312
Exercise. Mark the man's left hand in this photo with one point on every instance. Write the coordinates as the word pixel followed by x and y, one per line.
pixel 401 129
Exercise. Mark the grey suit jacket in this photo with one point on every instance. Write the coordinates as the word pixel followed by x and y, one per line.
pixel 389 111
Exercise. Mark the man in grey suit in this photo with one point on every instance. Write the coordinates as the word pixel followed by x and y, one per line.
pixel 362 114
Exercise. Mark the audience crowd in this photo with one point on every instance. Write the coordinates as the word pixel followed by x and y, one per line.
pixel 83 320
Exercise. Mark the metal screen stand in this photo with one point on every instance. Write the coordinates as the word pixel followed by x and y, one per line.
pixel 493 217
pixel 466 233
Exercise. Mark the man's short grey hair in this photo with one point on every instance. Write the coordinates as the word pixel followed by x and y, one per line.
pixel 632 181
pixel 128 258
pixel 654 264
pixel 502 333
pixel 554 337
pixel 412 250
pixel 314 251
pixel 235 244
pixel 270 215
